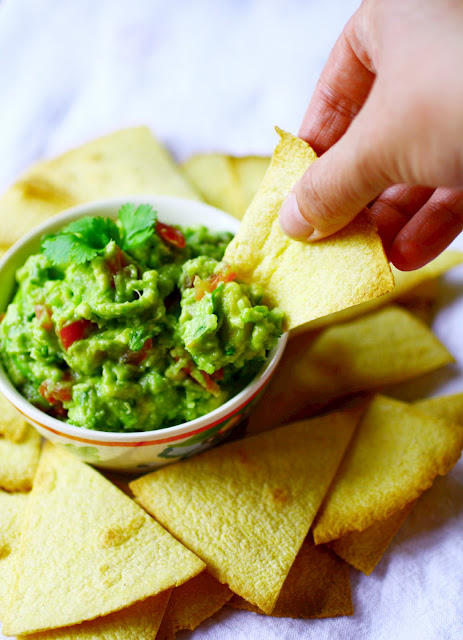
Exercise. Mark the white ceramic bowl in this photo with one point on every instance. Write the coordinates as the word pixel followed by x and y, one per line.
pixel 136 451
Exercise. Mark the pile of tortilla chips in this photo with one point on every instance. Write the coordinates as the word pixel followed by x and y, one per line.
pixel 328 472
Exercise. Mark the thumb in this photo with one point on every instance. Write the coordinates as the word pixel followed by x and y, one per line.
pixel 338 185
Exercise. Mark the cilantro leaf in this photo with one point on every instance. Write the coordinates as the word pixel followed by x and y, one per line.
pixel 138 224
pixel 95 231
pixel 67 247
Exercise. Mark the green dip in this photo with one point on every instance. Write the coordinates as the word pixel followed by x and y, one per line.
pixel 133 325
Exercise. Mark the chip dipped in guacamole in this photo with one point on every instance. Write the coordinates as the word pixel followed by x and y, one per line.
pixel 133 325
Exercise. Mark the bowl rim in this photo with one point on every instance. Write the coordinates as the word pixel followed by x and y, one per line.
pixel 109 207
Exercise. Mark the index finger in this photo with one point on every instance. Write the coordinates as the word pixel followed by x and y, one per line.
pixel 341 91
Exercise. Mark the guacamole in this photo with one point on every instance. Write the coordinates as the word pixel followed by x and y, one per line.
pixel 133 325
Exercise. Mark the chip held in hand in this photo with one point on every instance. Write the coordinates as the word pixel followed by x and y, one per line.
pixel 306 281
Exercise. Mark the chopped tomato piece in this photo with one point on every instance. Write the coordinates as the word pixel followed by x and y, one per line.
pixel 74 331
pixel 43 313
pixel 209 384
pixel 226 275
pixel 171 235
pixel 56 392
pixel 217 375
pixel 137 357
pixel 208 286
pixel 2 315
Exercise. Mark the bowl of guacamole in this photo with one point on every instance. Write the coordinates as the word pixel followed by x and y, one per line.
pixel 120 322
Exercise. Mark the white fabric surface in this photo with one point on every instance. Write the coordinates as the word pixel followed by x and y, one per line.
pixel 208 75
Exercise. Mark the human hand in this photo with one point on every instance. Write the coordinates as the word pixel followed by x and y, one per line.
pixel 386 118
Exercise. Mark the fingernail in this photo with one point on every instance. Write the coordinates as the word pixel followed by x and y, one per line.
pixel 291 220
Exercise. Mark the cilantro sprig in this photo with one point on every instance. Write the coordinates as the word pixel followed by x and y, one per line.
pixel 84 239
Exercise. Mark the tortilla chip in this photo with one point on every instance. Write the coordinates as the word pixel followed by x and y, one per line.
pixel 12 425
pixel 246 507
pixel 215 178
pixel 191 604
pixel 11 510
pixel 379 349
pixel 107 552
pixel 317 586
pixel 396 454
pixel 126 162
pixel 448 408
pixel 305 280
pixel 18 461
pixel 251 171
pixel 226 182
pixel 364 549
pixel 139 622
pixel 406 282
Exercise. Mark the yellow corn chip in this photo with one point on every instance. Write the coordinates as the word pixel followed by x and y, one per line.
pixel 405 283
pixel 396 454
pixel 11 511
pixel 448 408
pixel 127 162
pixel 379 349
pixel 93 548
pixel 226 182
pixel 215 178
pixel 192 603
pixel 364 549
pixel 18 461
pixel 305 280
pixel 246 507
pixel 251 171
pixel 12 425
pixel 317 586
pixel 138 622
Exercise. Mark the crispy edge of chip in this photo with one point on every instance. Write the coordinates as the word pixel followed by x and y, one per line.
pixel 260 252
pixel 317 586
pixel 191 604
pixel 141 621
pixel 449 407
pixel 438 458
pixel 364 549
pixel 406 283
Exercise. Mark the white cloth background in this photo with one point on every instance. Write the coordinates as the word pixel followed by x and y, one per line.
pixel 209 75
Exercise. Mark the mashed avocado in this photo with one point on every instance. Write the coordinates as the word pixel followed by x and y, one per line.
pixel 134 325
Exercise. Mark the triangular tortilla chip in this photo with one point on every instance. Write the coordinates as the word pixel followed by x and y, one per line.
pixel 139 622
pixel 317 586
pixel 246 507
pixel 192 603
pixel 18 460
pixel 405 283
pixel 87 550
pixel 226 182
pixel 12 425
pixel 305 280
pixel 396 454
pixel 215 178
pixel 448 408
pixel 251 171
pixel 11 511
pixel 379 349
pixel 126 162
pixel 364 549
